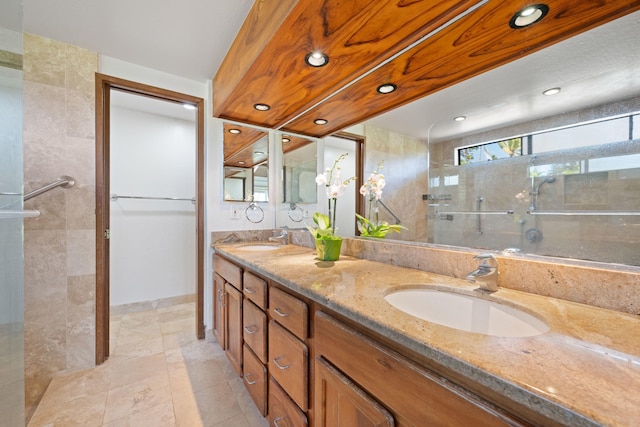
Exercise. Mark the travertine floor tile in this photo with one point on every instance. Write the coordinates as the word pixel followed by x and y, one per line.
pixel 130 370
pixel 207 407
pixel 195 377
pixel 130 347
pixel 130 399
pixel 158 375
pixel 176 326
pixel 64 389
pixel 86 411
pixel 158 416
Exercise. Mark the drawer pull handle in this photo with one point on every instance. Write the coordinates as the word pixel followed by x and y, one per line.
pixel 276 421
pixel 280 313
pixel 251 329
pixel 250 291
pixel 283 367
pixel 248 381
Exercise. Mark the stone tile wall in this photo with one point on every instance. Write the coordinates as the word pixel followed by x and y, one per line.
pixel 406 175
pixel 59 139
pixel 506 185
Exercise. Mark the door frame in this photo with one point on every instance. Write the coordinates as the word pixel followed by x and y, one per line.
pixel 104 84
pixel 359 141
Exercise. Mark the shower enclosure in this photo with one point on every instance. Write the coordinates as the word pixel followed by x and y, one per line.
pixel 558 194
pixel 11 217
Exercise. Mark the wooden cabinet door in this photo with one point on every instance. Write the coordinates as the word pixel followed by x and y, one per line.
pixel 412 394
pixel 340 403
pixel 288 363
pixel 219 312
pixel 234 327
pixel 282 411
pixel 255 379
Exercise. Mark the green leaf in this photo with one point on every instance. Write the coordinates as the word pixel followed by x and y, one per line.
pixel 321 220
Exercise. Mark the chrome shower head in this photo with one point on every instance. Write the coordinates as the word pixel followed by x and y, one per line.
pixel 549 180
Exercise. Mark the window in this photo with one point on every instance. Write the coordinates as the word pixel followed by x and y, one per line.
pixel 489 151
pixel 608 130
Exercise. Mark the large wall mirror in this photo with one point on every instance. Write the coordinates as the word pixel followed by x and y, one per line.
pixel 578 198
pixel 299 169
pixel 246 166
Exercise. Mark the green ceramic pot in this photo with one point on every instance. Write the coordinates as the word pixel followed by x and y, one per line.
pixel 328 250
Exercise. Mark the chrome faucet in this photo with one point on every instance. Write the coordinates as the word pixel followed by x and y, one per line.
pixel 486 275
pixel 282 238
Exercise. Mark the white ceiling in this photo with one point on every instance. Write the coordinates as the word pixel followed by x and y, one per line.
pixel 187 38
pixel 190 38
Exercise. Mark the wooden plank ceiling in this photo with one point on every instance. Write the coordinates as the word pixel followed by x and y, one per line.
pixel 244 146
pixel 266 61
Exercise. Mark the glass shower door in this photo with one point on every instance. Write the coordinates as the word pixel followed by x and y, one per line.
pixel 11 218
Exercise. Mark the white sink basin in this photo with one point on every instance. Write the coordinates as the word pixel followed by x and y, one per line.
pixel 466 313
pixel 258 247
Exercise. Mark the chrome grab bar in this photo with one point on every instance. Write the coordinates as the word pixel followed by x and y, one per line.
pixel 63 181
pixel 115 197
pixel 588 213
pixel 390 211
pixel 476 212
pixel 9 214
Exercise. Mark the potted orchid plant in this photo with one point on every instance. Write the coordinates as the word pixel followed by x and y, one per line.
pixel 328 243
pixel 372 190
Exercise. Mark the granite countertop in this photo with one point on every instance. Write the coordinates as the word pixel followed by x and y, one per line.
pixel 584 372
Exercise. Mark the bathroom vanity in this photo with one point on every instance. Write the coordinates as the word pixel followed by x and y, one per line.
pixel 322 347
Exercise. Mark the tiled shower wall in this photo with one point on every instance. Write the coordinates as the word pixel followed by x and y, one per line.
pixel 406 175
pixel 506 185
pixel 59 139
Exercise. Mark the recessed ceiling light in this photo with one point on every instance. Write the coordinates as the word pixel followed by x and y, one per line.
pixel 234 131
pixel 320 121
pixel 386 88
pixel 258 153
pixel 262 107
pixel 460 118
pixel 552 91
pixel 189 106
pixel 286 139
pixel 241 162
pixel 316 59
pixel 529 16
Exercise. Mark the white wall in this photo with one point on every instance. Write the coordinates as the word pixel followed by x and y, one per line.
pixel 346 205
pixel 217 211
pixel 152 245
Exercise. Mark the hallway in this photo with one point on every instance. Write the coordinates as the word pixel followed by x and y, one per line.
pixel 158 375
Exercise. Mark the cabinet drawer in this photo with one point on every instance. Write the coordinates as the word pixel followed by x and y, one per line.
pixel 289 363
pixel 396 382
pixel 255 329
pixel 282 411
pixel 255 289
pixel 289 311
pixel 255 379
pixel 228 270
